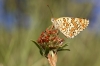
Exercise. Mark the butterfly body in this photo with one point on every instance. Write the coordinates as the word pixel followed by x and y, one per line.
pixel 69 26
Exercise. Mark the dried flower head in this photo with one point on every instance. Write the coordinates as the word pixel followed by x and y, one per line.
pixel 49 40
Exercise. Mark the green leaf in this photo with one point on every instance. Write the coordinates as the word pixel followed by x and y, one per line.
pixel 63 50
pixel 46 51
pixel 40 48
pixel 64 45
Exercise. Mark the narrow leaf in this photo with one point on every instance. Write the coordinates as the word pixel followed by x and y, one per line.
pixel 64 45
pixel 40 48
pixel 63 49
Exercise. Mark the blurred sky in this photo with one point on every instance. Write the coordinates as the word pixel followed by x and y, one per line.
pixel 10 18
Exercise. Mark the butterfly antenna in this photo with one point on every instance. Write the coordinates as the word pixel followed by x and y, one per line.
pixel 50 10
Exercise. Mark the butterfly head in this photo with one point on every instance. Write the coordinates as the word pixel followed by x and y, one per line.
pixel 53 20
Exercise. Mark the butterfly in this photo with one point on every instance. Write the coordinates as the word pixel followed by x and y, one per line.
pixel 69 26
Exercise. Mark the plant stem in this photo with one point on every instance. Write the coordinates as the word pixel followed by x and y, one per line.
pixel 52 58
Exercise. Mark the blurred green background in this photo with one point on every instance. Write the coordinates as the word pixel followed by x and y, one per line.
pixel 23 20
